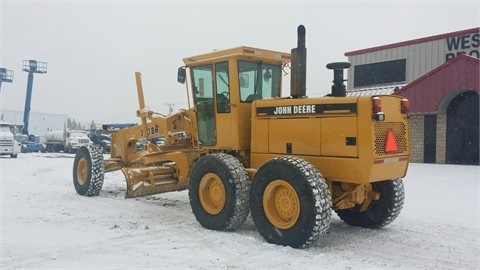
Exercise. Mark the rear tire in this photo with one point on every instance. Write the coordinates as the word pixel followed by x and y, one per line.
pixel 88 171
pixel 380 212
pixel 290 202
pixel 218 192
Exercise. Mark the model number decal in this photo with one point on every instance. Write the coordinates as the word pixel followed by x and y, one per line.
pixel 150 131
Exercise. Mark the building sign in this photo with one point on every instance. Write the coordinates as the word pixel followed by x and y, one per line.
pixel 466 44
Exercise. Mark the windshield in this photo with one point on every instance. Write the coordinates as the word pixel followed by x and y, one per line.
pixel 258 80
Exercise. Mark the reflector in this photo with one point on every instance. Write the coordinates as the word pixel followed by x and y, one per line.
pixel 391 146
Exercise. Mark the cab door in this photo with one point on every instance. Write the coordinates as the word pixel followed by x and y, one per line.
pixel 223 106
pixel 211 93
pixel 203 95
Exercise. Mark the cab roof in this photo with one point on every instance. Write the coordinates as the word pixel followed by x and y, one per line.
pixel 242 51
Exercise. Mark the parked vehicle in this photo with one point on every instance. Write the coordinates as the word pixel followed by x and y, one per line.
pixel 8 144
pixel 68 141
pixel 30 143
pixel 101 139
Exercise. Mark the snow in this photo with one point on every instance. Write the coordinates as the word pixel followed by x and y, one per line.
pixel 46 224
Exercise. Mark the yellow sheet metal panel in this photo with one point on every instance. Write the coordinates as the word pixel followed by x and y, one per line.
pixel 299 136
pixel 349 170
pixel 339 137
pixel 350 145
pixel 224 131
pixel 260 136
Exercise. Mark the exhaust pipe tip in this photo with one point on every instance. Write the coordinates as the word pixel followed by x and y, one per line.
pixel 301 31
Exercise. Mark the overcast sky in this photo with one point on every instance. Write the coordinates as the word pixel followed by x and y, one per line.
pixel 93 48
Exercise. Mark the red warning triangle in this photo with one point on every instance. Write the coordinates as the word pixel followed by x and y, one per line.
pixel 391 146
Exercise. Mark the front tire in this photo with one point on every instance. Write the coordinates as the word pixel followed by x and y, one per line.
pixel 218 192
pixel 380 212
pixel 88 171
pixel 290 202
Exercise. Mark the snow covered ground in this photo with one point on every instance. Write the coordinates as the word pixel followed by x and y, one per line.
pixel 45 224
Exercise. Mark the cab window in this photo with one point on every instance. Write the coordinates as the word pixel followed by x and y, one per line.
pixel 222 87
pixel 258 80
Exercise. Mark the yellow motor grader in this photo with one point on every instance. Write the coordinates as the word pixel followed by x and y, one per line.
pixel 242 148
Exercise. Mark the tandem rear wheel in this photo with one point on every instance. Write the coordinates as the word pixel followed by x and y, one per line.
pixel 288 199
pixel 290 202
pixel 380 212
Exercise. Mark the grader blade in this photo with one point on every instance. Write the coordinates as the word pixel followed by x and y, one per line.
pixel 151 180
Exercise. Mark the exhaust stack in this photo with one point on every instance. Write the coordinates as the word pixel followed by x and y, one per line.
pixel 338 88
pixel 299 66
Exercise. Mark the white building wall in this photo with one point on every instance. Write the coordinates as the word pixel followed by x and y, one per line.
pixel 39 123
pixel 421 58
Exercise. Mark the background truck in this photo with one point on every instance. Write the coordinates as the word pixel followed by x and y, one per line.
pixel 289 161
pixel 68 141
pixel 8 144
pixel 101 137
pixel 98 137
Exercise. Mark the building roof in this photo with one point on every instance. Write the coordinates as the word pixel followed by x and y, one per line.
pixel 414 41
pixel 384 89
pixel 427 93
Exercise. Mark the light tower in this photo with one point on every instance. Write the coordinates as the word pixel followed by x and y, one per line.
pixel 30 66
pixel 5 76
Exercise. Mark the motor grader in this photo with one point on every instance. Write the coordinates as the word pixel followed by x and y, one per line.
pixel 242 148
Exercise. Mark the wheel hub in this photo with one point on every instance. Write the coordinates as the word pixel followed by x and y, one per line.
pixel 281 204
pixel 212 193
pixel 82 171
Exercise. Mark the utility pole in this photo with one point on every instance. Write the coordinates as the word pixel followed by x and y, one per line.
pixel 170 107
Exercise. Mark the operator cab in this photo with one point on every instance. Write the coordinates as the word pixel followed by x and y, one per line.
pixel 223 84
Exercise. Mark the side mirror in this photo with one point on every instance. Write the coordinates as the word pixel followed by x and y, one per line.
pixel 181 75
